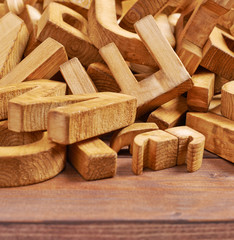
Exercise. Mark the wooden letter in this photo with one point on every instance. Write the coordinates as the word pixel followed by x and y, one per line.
pixel 218 57
pixel 13 38
pixel 35 160
pixel 70 29
pixel 200 95
pixel 43 62
pixel 227 100
pixel 166 84
pixel 93 159
pixel 103 29
pixel 170 114
pixel 156 150
pixel 95 114
pixel 218 130
pixel 125 136
pixel 190 148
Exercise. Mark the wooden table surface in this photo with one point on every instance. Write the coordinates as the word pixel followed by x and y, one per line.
pixel 167 204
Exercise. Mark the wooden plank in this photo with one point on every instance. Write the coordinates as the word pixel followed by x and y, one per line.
pixel 156 150
pixel 13 37
pixel 70 29
pixel 190 147
pixel 218 130
pixel 43 62
pixel 170 114
pixel 160 87
pixel 76 77
pixel 227 100
pixel 36 159
pixel 218 57
pixel 202 92
pixel 103 29
pixel 93 159
pixel 124 137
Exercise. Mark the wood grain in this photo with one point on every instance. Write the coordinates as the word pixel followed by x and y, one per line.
pixel 70 29
pixel 43 62
pixel 202 92
pixel 218 130
pixel 14 6
pixel 227 100
pixel 103 29
pixel 93 159
pixel 37 160
pixel 13 37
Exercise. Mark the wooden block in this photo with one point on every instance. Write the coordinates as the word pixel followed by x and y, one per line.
pixel 217 56
pixel 15 7
pixel 42 62
pixel 81 7
pixel 143 8
pixel 166 84
pixel 156 150
pixel 76 77
pixel 219 82
pixel 139 68
pixel 173 19
pixel 227 100
pixel 102 78
pixel 30 15
pixel 199 19
pixel 202 92
pixel 32 89
pixel 103 29
pixel 28 158
pixel 13 37
pixel 218 131
pixel 215 105
pixel 70 29
pixel 170 114
pixel 190 55
pixel 94 114
pixel 125 136
pixel 190 147
pixel 165 28
pixel 93 159
pixel 226 21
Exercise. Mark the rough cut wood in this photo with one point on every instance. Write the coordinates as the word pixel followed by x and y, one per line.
pixel 102 78
pixel 92 115
pixel 43 62
pixel 30 15
pixel 218 57
pixel 218 131
pixel 13 38
pixel 165 28
pixel 93 159
pixel 14 6
pixel 156 150
pixel 190 147
pixel 166 84
pixel 227 100
pixel 125 136
pixel 24 115
pixel 35 160
pixel 202 92
pixel 170 114
pixel 70 29
pixel 103 29
pixel 76 77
